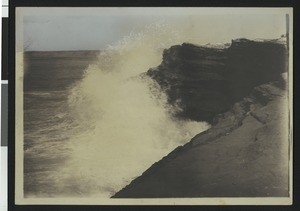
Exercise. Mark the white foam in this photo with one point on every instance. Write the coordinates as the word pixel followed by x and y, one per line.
pixel 128 127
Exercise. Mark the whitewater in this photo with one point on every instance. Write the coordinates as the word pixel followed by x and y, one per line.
pixel 106 128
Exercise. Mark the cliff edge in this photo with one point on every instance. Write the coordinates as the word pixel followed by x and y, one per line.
pixel 205 81
pixel 245 152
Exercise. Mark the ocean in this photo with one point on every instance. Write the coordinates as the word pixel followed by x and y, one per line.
pixel 48 124
pixel 91 122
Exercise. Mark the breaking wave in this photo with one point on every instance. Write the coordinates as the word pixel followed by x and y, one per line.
pixel 121 120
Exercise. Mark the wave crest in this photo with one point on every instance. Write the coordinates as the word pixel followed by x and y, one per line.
pixel 124 121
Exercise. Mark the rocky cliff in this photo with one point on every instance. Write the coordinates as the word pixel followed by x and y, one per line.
pixel 240 90
pixel 206 81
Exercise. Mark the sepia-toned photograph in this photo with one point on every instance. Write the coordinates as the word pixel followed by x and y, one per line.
pixel 153 106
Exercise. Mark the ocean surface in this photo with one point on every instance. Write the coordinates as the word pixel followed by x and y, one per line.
pixel 48 124
pixel 91 122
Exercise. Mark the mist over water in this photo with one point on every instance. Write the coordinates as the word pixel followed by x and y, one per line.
pixel 121 121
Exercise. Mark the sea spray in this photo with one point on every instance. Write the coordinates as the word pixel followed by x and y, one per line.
pixel 119 120
pixel 128 125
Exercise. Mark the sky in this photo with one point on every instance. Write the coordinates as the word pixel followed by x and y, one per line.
pixel 57 29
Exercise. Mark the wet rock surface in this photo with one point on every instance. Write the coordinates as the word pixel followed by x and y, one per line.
pixel 241 90
pixel 206 81
pixel 244 154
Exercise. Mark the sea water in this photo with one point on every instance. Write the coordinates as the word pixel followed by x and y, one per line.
pixel 88 132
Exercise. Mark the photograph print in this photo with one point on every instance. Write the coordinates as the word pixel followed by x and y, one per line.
pixel 153 106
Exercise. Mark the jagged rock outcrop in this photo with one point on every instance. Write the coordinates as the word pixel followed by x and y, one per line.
pixel 244 154
pixel 207 81
pixel 242 92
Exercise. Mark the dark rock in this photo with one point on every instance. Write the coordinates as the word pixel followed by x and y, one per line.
pixel 206 81
pixel 244 154
pixel 241 91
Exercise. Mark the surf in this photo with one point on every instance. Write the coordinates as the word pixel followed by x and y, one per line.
pixel 120 122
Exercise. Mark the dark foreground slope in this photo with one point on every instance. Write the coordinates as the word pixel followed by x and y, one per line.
pixel 244 153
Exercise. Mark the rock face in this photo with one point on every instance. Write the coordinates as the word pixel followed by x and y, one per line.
pixel 207 81
pixel 241 91
pixel 244 154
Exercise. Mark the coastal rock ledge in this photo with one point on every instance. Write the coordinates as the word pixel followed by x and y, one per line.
pixel 245 152
pixel 206 81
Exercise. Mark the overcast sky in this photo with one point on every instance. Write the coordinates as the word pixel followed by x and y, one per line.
pixel 49 29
